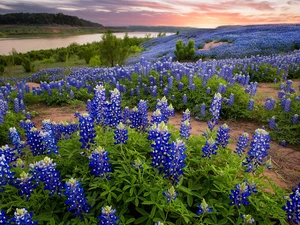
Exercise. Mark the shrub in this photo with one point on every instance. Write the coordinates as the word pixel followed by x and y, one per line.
pixel 183 51
pixel 2 68
pixel 27 65
pixel 95 61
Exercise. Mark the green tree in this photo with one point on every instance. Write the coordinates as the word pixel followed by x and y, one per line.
pixel 183 51
pixel 112 50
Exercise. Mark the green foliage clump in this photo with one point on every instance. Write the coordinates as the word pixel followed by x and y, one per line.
pixel 183 51
pixel 27 65
pixel 113 50
pixel 95 61
pixel 2 68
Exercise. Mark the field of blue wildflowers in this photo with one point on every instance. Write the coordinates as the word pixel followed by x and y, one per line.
pixel 122 162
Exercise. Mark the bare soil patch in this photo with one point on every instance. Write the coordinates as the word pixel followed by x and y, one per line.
pixel 212 44
pixel 32 84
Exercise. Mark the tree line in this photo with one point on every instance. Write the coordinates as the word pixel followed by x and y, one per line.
pixel 44 19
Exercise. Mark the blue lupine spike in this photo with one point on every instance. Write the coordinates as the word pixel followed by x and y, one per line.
pixel 295 119
pixel 143 112
pixel 45 171
pixel 99 163
pixel 76 198
pixel 203 208
pixel 87 130
pixel 248 219
pixel 26 183
pixel 121 134
pixel 3 218
pixel 210 148
pixel 185 128
pixel 251 104
pixel 223 135
pixel 171 194
pixel 240 195
pixel 7 176
pixel 23 217
pixel 108 216
pixel 242 144
pixel 272 123
pixel 292 206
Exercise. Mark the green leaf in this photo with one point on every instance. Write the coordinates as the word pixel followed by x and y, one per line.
pixel 142 211
pixel 152 212
pixel 149 203
pixel 190 200
pixel 130 220
pixel 141 219
pixel 52 221
pixel 223 221
pixel 208 221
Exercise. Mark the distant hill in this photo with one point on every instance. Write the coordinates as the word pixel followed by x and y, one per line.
pixel 168 29
pixel 45 19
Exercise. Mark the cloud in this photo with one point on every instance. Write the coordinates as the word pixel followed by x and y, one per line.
pixel 199 13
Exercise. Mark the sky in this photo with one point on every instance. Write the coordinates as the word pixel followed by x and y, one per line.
pixel 191 13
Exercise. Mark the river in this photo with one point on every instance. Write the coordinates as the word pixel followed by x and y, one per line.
pixel 23 45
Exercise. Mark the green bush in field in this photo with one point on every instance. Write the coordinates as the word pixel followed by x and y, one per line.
pixel 95 61
pixel 27 65
pixel 2 68
pixel 183 51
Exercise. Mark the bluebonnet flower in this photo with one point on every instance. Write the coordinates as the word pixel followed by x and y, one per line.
pixel 99 102
pixel 156 117
pixel 203 208
pixel 72 94
pixel 240 195
pixel 295 119
pixel 283 143
pixel 223 135
pixel 242 144
pixel 49 142
pixel 209 148
pixel 175 161
pixel 272 123
pixel 27 125
pixel 292 206
pixel 126 115
pixel 6 174
pixel 203 110
pixel 185 128
pixel 108 216
pixel 76 198
pixel 26 183
pixel 135 119
pixel 165 110
pixel 35 142
pixel 143 111
pixel 184 99
pixel 3 218
pixel 116 115
pixel 160 136
pixel 281 94
pixel 251 104
pixel 8 153
pixel 45 171
pixel 186 115
pixel 247 219
pixel 171 194
pixel 159 223
pixel 270 104
pixel 231 99
pixel 138 164
pixel 287 105
pixel 208 90
pixel 28 116
pixel 121 134
pixel 87 130
pixel 16 105
pixel 99 163
pixel 23 217
pixel 258 151
pixel 215 110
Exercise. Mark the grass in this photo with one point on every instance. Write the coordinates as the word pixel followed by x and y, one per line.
pixel 18 71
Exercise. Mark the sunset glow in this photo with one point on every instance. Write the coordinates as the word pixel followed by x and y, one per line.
pixel 194 13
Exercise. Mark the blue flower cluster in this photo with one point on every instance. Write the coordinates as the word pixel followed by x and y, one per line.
pixel 156 117
pixel 165 109
pixel 121 134
pixel 242 144
pixel 247 219
pixel 258 151
pixel 292 206
pixel 44 171
pixel 15 138
pixel 3 218
pixel 272 123
pixel 210 148
pixel 203 208
pixel 99 163
pixel 23 217
pixel 240 195
pixel 223 135
pixel 26 183
pixel 76 198
pixel 87 130
pixel 215 110
pixel 3 110
pixel 35 141
pixel 108 216
pixel 6 175
pixel 171 194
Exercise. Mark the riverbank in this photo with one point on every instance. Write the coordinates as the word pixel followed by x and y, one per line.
pixel 20 31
